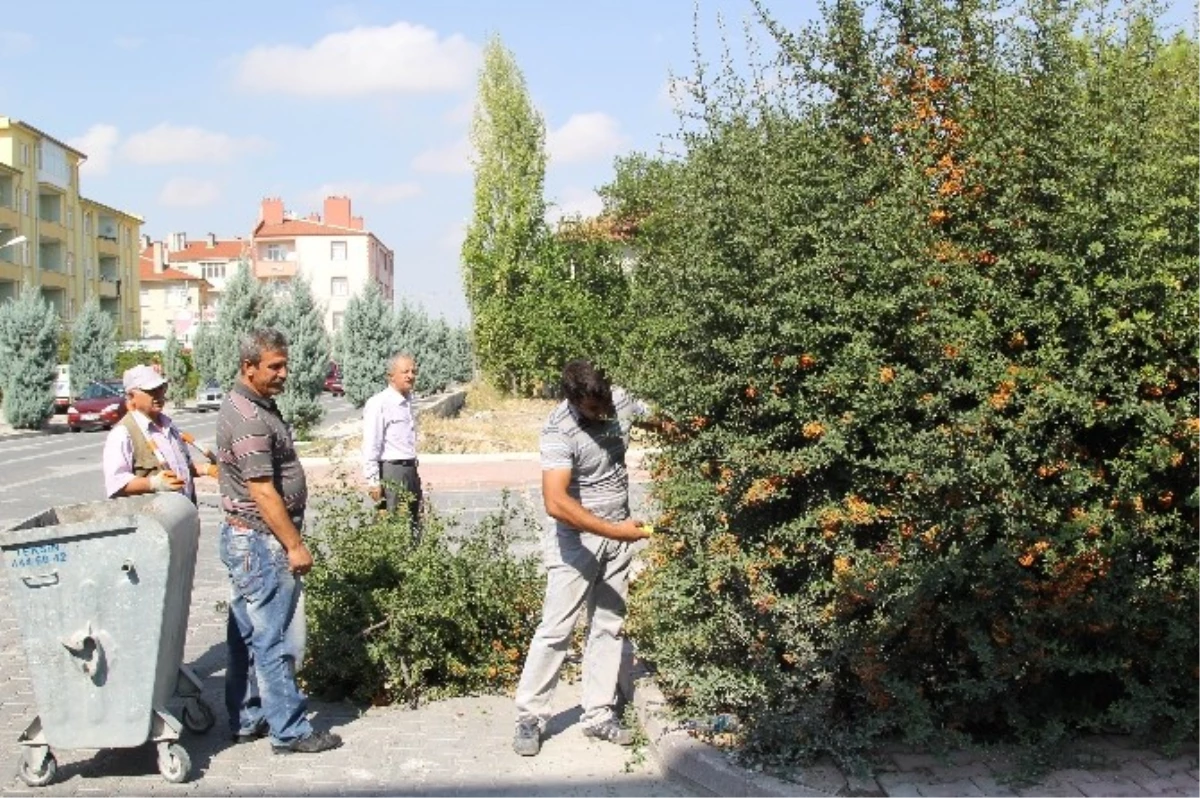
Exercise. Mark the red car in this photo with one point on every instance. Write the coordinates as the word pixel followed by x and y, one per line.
pixel 333 381
pixel 100 406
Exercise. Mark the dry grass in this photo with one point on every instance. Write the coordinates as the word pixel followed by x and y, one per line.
pixel 488 422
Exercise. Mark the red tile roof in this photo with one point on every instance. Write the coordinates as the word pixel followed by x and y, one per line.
pixel 230 249
pixel 146 272
pixel 303 227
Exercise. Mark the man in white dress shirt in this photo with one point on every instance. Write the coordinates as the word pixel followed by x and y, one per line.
pixel 389 446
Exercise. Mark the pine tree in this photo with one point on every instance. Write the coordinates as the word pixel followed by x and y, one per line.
pixel 300 319
pixel 204 353
pixel 365 344
pixel 175 370
pixel 243 308
pixel 28 356
pixel 93 346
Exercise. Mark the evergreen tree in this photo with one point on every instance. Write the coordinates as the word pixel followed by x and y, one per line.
pixel 93 346
pixel 175 370
pixel 365 344
pixel 243 308
pixel 28 357
pixel 204 353
pixel 300 319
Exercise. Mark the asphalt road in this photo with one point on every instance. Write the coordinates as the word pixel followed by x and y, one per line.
pixel 54 469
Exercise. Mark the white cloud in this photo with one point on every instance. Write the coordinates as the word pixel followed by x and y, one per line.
pixel 462 113
pixel 364 60
pixel 362 191
pixel 585 137
pixel 187 192
pixel 167 143
pixel 454 159
pixel 98 144
pixel 575 202
pixel 129 42
pixel 14 44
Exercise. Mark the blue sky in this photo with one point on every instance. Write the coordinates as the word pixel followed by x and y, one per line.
pixel 190 113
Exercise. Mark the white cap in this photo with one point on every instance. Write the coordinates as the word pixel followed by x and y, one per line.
pixel 142 378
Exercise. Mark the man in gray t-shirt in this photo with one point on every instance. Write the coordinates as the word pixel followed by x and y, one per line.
pixel 585 487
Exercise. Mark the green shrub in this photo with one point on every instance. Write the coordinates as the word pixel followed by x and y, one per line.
pixel 924 314
pixel 393 621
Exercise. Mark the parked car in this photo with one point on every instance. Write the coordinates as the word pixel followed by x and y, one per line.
pixel 333 380
pixel 210 396
pixel 99 406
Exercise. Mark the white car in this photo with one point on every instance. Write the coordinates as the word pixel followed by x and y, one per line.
pixel 210 396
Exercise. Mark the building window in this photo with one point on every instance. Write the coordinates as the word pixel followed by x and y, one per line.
pixel 338 286
pixel 24 154
pixel 337 250
pixel 25 201
pixel 145 329
pixel 71 218
pixel 337 321
pixel 178 296
pixel 276 252
pixel 145 297
pixel 212 270
pixel 87 223
pixel 70 263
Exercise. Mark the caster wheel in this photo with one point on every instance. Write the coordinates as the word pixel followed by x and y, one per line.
pixel 198 716
pixel 38 778
pixel 174 763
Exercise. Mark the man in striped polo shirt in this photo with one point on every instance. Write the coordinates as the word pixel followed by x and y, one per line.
pixel 264 494
pixel 585 487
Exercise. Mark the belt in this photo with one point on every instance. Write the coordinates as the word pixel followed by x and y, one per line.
pixel 410 463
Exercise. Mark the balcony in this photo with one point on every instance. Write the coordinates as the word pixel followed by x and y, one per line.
pixel 275 269
pixel 52 256
pixel 110 290
pixel 110 270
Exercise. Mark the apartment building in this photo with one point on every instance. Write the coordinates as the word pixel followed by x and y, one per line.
pixel 170 300
pixel 71 248
pixel 334 250
pixel 211 259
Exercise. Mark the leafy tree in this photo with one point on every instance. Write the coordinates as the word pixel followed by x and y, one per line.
pixel 365 344
pixel 29 331
pixel 507 229
pixel 175 370
pixel 204 353
pixel 300 319
pixel 442 352
pixel 244 307
pixel 94 346
pixel 920 308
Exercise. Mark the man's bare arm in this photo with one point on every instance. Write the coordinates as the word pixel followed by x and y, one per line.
pixel 563 507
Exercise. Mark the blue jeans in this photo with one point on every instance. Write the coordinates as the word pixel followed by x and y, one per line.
pixel 265 636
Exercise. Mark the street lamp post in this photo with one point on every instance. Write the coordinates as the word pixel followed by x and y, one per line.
pixel 11 241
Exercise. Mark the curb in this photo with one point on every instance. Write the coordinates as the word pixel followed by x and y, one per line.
pixel 705 768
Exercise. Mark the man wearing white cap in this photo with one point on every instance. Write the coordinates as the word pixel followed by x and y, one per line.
pixel 145 453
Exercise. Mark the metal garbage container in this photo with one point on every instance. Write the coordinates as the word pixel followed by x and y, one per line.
pixel 102 591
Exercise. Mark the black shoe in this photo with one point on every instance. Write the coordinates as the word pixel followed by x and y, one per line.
pixel 314 743
pixel 261 730
pixel 527 740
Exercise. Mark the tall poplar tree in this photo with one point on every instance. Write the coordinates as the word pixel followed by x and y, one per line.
pixel 508 227
pixel 93 346
pixel 204 353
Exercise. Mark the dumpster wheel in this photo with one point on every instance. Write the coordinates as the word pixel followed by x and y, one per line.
pixel 198 716
pixel 173 762
pixel 31 774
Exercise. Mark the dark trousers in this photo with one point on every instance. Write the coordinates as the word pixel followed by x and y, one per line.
pixel 401 482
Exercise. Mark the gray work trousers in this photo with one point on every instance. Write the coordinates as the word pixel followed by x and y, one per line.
pixel 581 568
pixel 396 479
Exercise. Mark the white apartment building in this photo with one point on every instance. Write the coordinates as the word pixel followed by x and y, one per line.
pixel 334 251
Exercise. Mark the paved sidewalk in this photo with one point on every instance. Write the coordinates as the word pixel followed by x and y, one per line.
pixel 462 746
